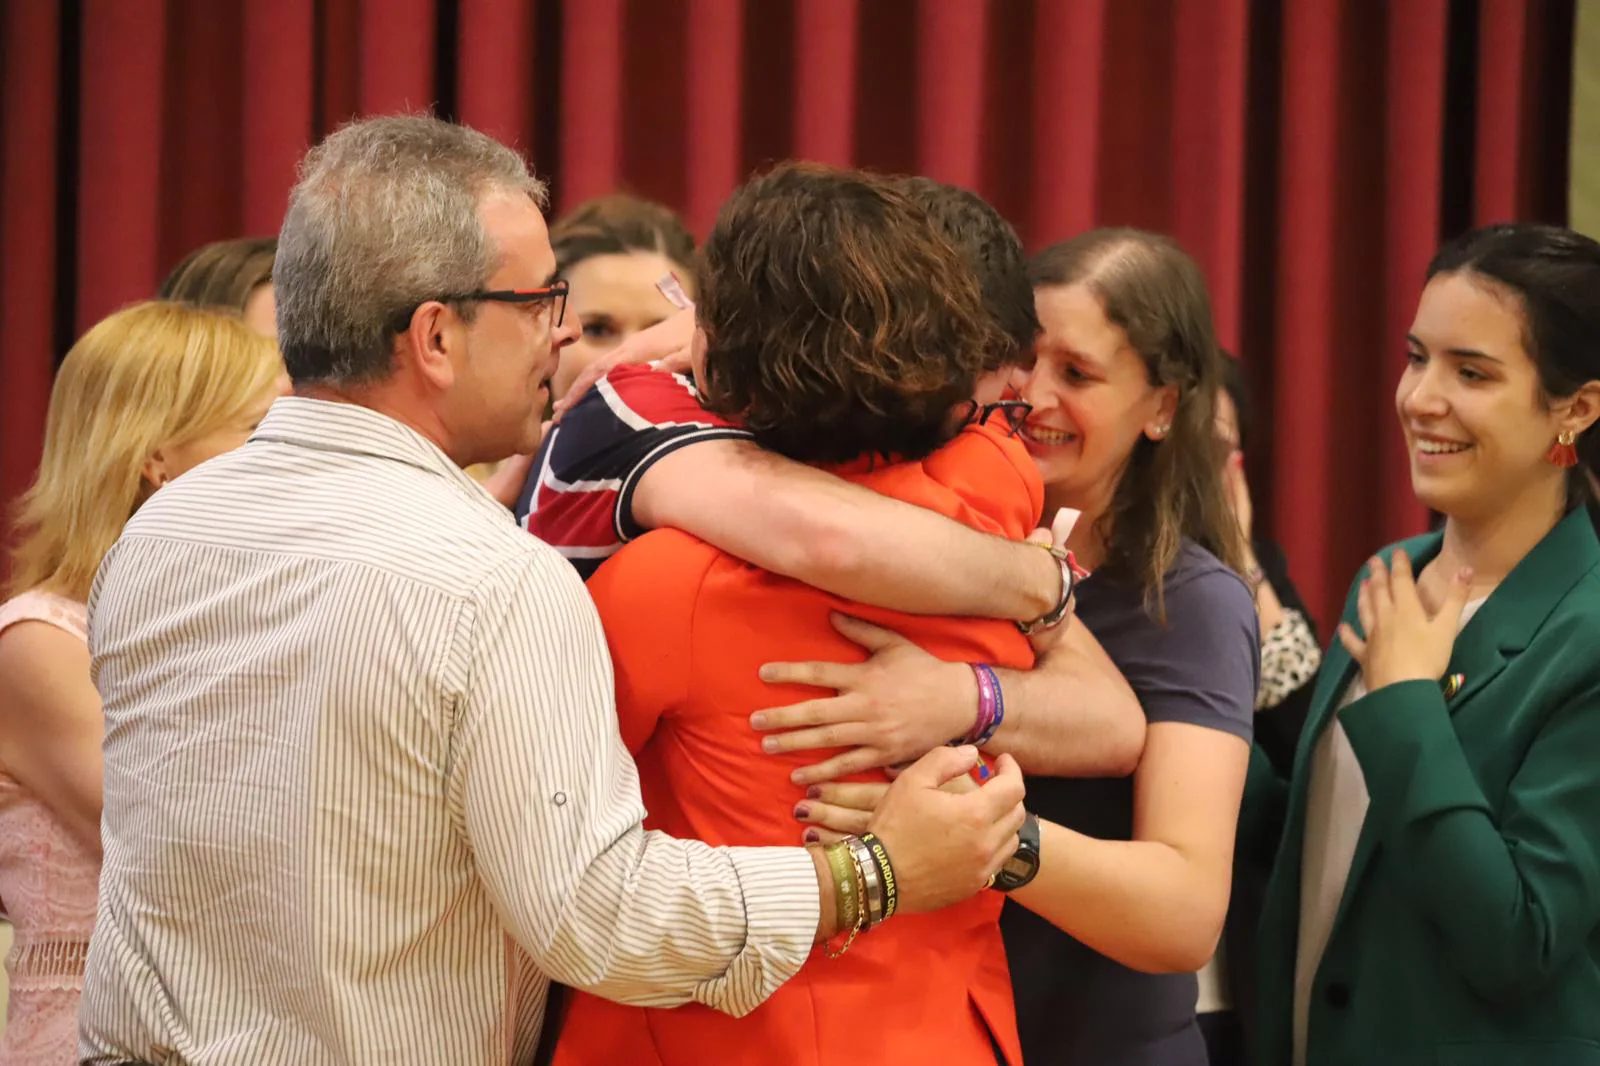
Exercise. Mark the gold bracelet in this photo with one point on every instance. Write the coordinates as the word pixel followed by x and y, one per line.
pixel 858 905
pixel 844 886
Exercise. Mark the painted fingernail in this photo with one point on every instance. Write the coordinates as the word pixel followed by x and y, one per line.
pixel 801 811
pixel 812 836
pixel 814 792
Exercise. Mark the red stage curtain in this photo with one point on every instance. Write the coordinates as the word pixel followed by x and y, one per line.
pixel 1311 153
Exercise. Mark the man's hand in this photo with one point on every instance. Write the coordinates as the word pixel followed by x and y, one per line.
pixel 945 847
pixel 668 342
pixel 891 709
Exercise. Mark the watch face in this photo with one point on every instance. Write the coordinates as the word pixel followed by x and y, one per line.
pixel 1017 866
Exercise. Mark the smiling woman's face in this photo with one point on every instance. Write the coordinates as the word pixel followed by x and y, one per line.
pixel 1091 395
pixel 615 296
pixel 1469 403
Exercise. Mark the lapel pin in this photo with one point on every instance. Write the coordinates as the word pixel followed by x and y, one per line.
pixel 1452 685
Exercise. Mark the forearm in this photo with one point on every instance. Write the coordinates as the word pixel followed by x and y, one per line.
pixel 658 922
pixel 1143 903
pixel 803 523
pixel 1073 715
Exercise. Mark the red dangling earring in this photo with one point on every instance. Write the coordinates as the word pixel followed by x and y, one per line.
pixel 1563 453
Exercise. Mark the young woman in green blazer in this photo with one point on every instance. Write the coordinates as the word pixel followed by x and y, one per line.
pixel 1436 895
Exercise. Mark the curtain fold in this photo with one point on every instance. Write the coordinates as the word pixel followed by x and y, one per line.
pixel 1311 154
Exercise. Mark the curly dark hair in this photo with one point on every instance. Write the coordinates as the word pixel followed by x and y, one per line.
pixel 838 323
pixel 994 252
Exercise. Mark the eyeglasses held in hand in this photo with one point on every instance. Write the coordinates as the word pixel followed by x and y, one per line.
pixel 1015 413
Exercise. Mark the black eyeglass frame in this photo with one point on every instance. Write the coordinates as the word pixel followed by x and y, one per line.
pixel 1014 412
pixel 556 292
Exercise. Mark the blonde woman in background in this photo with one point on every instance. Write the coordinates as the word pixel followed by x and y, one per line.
pixel 147 394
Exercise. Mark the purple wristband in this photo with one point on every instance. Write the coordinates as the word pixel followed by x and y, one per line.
pixel 991 705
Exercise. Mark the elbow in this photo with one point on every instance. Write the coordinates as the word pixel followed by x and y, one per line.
pixel 1127 739
pixel 1185 952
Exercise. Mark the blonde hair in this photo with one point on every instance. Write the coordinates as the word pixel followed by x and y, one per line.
pixel 152 375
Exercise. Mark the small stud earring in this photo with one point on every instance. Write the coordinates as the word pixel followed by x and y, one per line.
pixel 1160 432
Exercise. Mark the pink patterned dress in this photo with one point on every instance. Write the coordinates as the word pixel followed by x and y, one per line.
pixel 47 891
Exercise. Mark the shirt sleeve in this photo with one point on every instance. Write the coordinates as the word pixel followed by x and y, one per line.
pixel 581 488
pixel 1203 665
pixel 549 799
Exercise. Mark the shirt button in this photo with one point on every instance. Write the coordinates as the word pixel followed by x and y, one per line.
pixel 560 799
pixel 1338 995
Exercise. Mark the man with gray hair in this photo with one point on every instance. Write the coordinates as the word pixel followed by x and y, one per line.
pixel 364 788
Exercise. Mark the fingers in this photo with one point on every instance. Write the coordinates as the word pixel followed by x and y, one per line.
pixel 1378 582
pixel 818 835
pixel 1352 643
pixel 838 735
pixel 1364 608
pixel 1003 840
pixel 845 820
pixel 837 676
pixel 854 761
pixel 1455 597
pixel 807 715
pixel 679 362
pixel 943 763
pixel 1402 582
pixel 583 383
pixel 1004 789
pixel 873 638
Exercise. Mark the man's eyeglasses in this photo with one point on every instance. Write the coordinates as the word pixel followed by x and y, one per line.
pixel 1015 413
pixel 555 292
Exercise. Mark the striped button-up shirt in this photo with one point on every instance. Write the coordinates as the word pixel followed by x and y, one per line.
pixel 364 788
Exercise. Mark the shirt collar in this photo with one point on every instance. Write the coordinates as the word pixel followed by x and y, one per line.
pixel 348 428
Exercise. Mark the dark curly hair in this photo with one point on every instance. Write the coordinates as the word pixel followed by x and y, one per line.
pixel 838 323
pixel 994 252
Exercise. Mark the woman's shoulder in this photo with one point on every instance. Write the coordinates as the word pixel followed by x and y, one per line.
pixel 37 605
pixel 1198 579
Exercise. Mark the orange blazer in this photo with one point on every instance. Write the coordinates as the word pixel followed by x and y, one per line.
pixel 688 628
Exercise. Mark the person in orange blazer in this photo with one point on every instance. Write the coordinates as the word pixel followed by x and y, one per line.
pixel 877 390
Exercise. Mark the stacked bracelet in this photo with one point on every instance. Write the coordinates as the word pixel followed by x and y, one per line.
pixel 864 892
pixel 848 896
pixel 878 855
pixel 991 707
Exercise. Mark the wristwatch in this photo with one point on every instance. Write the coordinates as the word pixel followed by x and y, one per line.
pixel 1069 581
pixel 1022 866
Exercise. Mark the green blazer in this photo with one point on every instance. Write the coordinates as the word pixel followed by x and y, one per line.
pixel 1469 929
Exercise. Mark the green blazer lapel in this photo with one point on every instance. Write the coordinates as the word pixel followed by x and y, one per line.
pixel 1518 606
pixel 1500 629
pixel 1421 551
